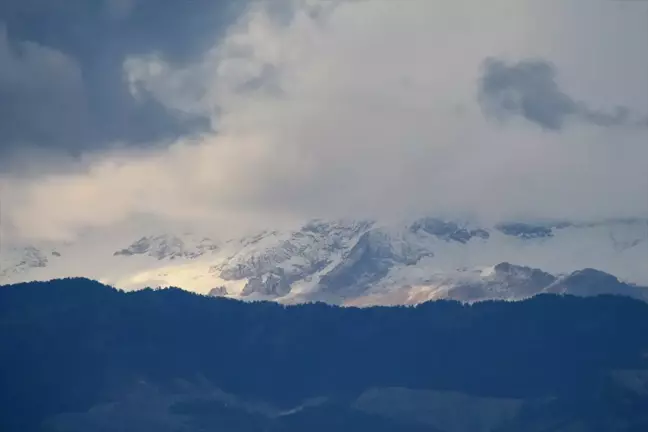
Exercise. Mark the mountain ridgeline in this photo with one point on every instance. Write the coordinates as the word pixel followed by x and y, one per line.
pixel 354 262
pixel 78 356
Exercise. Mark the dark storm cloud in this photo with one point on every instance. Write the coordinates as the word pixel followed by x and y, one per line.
pixel 41 95
pixel 62 85
pixel 529 89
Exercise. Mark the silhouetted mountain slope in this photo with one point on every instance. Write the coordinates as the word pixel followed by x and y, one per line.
pixel 76 346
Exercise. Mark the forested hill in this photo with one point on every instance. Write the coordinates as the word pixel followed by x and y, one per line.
pixel 74 345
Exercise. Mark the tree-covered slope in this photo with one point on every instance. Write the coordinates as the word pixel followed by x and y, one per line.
pixel 77 348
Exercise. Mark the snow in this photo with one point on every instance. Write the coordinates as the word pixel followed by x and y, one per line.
pixel 420 265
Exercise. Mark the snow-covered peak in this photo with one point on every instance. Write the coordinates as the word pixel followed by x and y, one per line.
pixel 297 253
pixel 506 281
pixel 167 246
pixel 351 261
pixel 591 282
pixel 17 261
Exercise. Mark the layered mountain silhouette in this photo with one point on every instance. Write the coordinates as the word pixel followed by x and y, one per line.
pixel 81 356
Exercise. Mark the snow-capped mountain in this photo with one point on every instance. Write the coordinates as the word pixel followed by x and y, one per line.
pixel 18 261
pixel 591 282
pixel 504 281
pixel 169 246
pixel 358 261
pixel 272 262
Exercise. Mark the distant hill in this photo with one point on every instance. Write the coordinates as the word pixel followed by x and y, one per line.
pixel 80 356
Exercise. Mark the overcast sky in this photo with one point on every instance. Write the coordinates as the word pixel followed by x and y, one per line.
pixel 242 115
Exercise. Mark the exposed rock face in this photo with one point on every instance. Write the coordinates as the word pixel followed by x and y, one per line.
pixel 27 258
pixel 507 282
pixel 168 247
pixel 220 291
pixel 375 253
pixel 525 231
pixel 273 284
pixel 449 231
pixel 298 254
pixel 34 258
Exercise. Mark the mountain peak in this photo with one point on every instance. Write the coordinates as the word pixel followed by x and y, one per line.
pixel 355 261
pixel 21 260
pixel 167 246
pixel 592 282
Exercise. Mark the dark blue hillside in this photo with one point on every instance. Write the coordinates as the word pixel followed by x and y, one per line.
pixel 66 345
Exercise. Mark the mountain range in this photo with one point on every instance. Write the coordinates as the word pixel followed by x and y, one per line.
pixel 357 262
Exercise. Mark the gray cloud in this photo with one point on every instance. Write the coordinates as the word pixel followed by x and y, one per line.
pixel 62 87
pixel 42 96
pixel 529 89
pixel 313 119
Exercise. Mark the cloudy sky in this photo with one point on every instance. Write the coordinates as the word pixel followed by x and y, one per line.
pixel 238 115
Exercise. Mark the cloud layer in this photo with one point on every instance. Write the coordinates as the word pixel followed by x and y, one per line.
pixel 529 89
pixel 376 108
pixel 62 89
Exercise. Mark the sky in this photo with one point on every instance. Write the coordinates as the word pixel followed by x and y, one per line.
pixel 237 115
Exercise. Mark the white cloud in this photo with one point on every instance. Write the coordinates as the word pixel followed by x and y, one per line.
pixel 370 109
